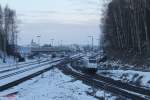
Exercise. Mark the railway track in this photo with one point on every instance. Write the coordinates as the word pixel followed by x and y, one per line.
pixel 12 76
pixel 25 71
pixel 16 67
pixel 26 68
pixel 93 80
pixel 16 64
pixel 99 83
pixel 28 72
pixel 122 85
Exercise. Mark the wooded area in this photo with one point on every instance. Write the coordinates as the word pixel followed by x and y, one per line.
pixel 126 28
pixel 8 30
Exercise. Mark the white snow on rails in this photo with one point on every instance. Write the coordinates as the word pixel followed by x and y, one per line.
pixel 12 76
pixel 53 86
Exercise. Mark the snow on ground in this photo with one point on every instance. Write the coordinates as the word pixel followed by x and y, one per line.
pixel 52 85
pixel 114 65
pixel 138 78
pixel 9 60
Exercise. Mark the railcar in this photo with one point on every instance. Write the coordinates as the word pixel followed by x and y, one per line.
pixel 90 65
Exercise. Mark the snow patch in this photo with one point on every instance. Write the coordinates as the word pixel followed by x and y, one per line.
pixel 52 85
pixel 129 76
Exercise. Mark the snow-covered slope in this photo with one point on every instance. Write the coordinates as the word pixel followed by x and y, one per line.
pixel 138 78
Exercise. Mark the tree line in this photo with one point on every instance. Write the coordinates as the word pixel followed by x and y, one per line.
pixel 8 30
pixel 126 28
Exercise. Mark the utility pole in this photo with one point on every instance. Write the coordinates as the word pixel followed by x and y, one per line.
pixel 92 38
pixel 99 44
pixel 61 43
pixel 38 37
pixel 52 40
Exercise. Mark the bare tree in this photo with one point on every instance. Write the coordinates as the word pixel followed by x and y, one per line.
pixel 126 27
pixel 8 31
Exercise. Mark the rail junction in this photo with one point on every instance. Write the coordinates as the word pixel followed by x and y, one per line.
pixel 11 76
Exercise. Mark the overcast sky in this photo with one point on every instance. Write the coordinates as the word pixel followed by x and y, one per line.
pixel 71 21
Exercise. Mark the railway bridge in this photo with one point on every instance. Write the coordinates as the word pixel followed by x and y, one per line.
pixel 48 49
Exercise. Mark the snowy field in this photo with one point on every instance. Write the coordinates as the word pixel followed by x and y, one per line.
pixel 138 78
pixel 54 85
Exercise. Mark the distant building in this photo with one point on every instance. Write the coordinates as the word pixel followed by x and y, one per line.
pixel 34 44
pixel 24 50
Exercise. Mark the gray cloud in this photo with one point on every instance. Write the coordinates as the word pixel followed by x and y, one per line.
pixel 72 22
